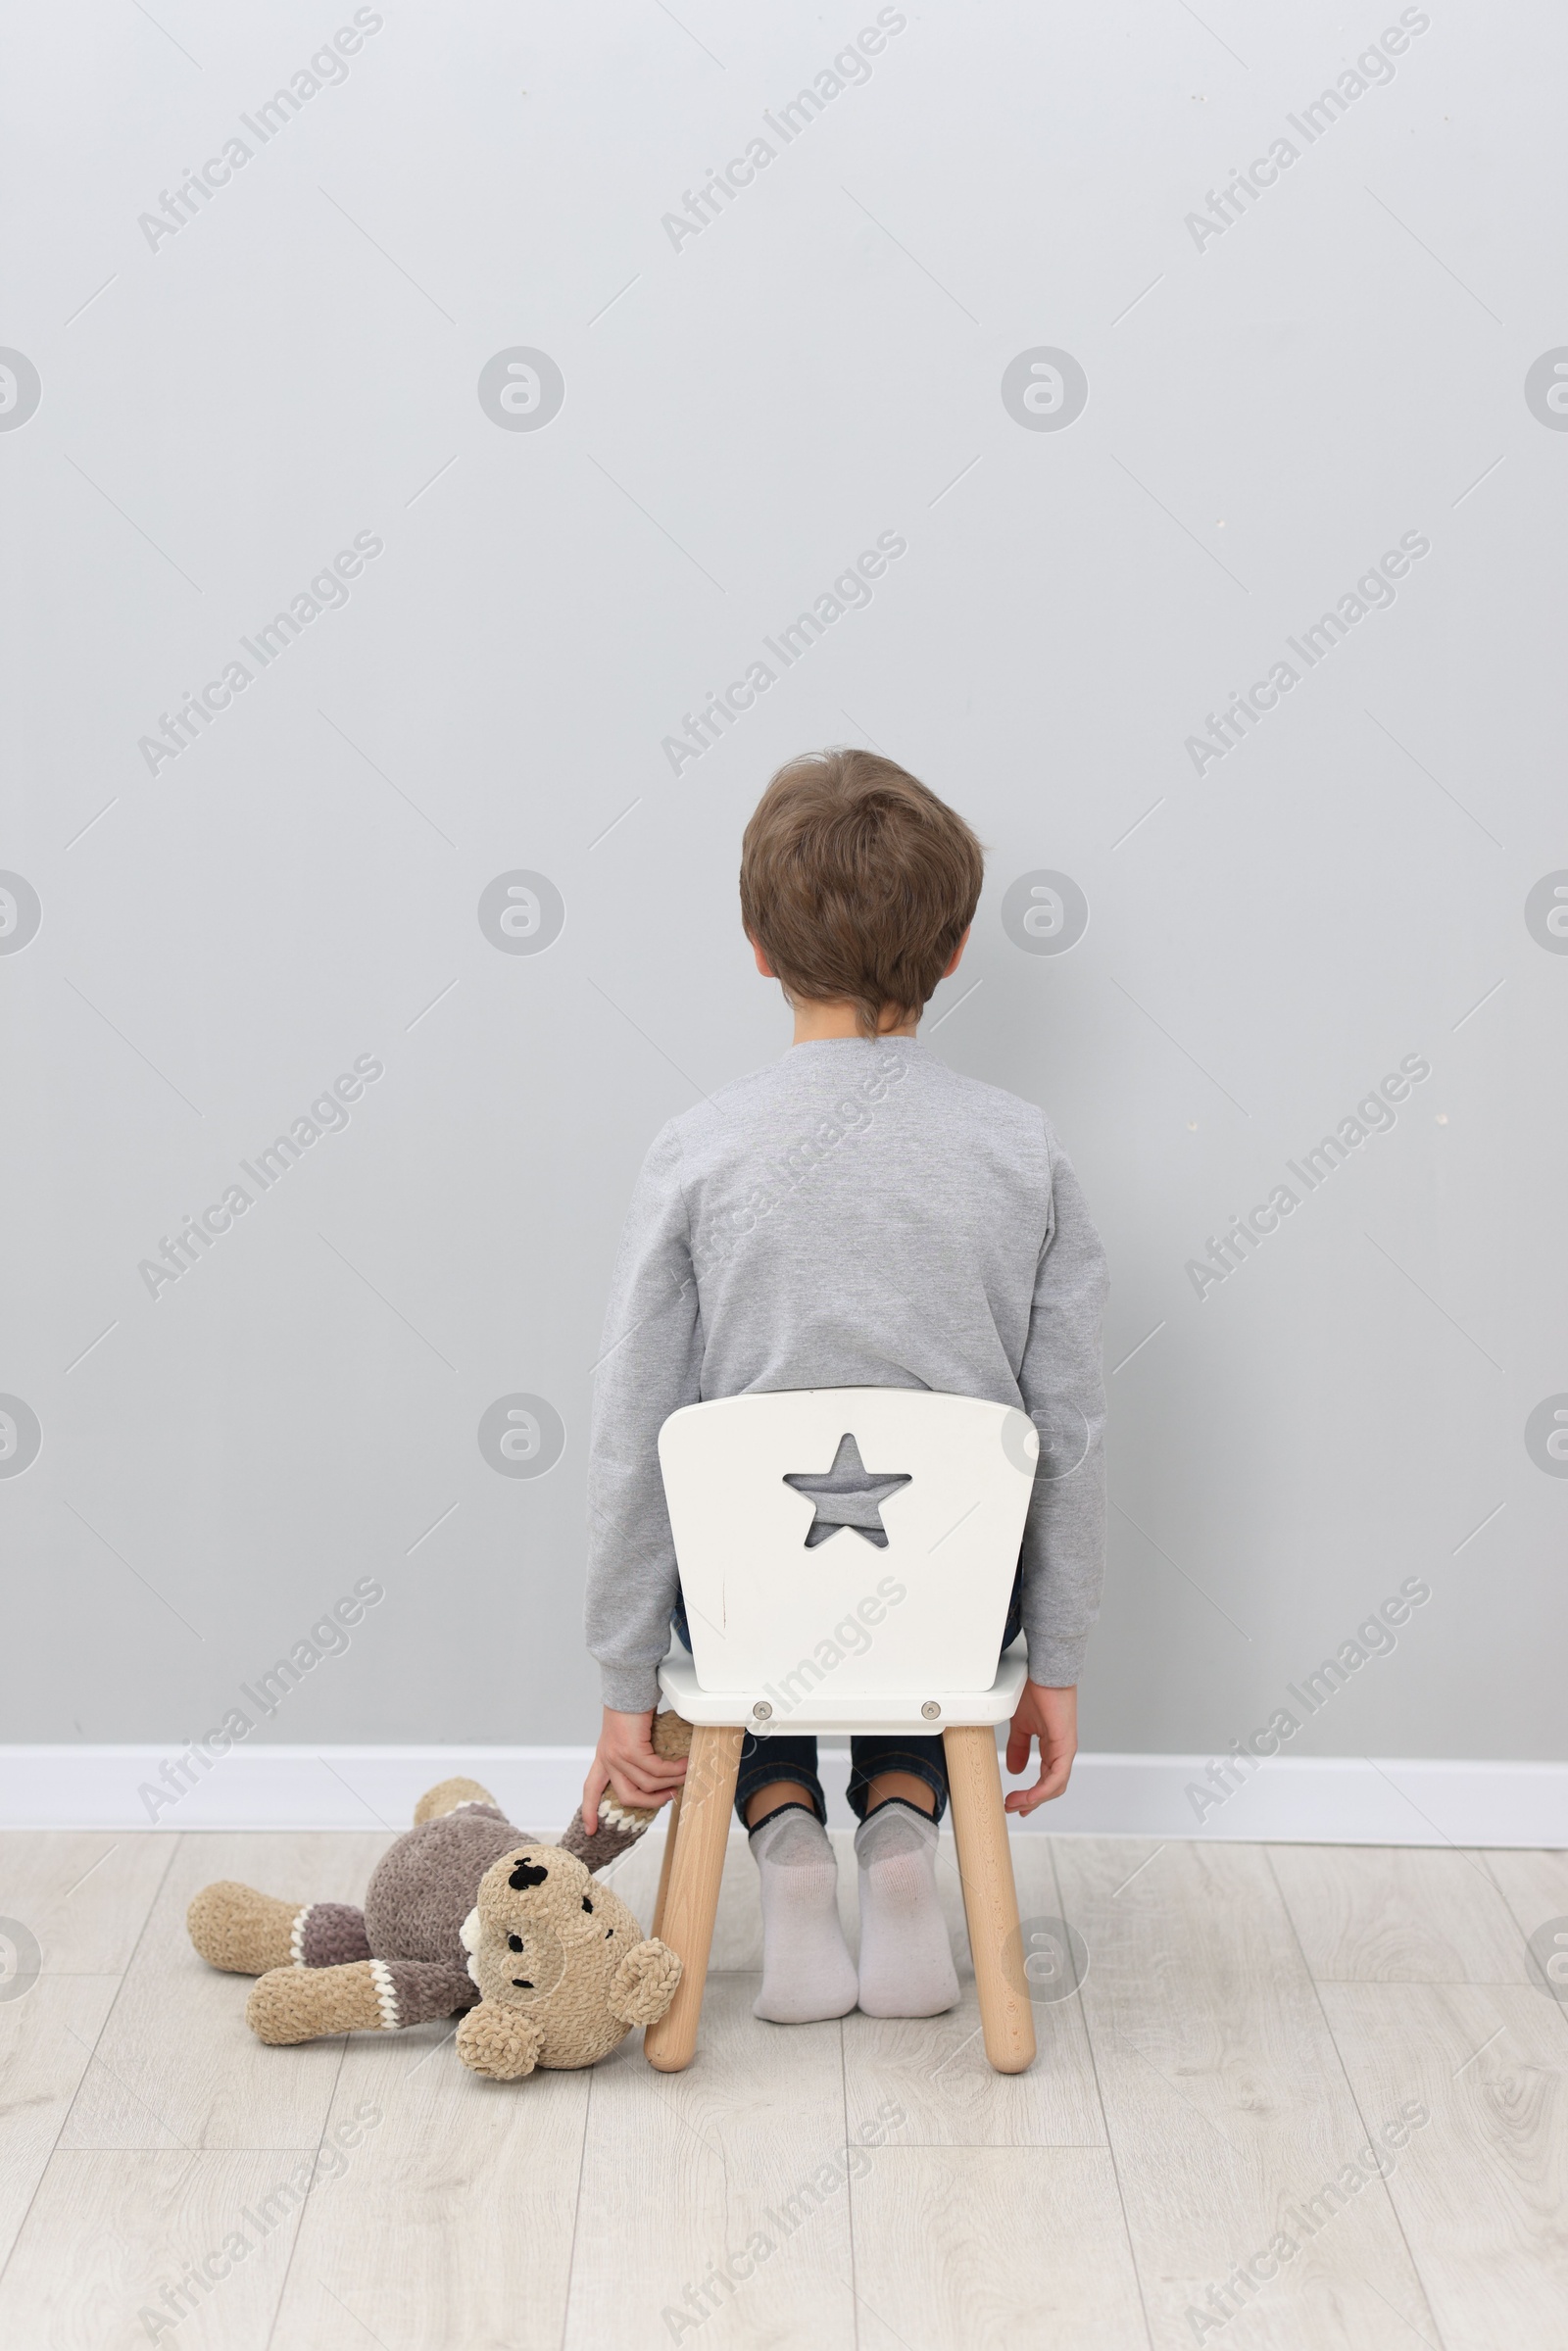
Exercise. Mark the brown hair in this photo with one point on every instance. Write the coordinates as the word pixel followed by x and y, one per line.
pixel 857 883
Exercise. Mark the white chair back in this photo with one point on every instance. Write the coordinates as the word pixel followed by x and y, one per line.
pixel 948 1480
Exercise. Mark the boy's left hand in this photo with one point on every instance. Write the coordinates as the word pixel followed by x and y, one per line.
pixel 624 1760
pixel 1052 1717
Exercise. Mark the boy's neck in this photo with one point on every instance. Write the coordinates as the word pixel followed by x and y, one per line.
pixel 818 1019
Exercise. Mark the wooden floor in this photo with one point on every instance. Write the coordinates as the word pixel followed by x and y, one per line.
pixel 1251 2020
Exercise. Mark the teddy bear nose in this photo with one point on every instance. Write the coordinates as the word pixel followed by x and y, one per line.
pixel 514 1942
pixel 527 1874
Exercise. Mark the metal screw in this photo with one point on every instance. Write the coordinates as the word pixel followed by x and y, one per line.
pixel 761 1710
pixel 931 1710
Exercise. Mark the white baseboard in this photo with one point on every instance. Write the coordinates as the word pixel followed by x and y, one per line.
pixel 1290 1799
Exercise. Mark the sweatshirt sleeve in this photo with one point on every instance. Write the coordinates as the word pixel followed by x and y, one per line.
pixel 1064 1394
pixel 649 1364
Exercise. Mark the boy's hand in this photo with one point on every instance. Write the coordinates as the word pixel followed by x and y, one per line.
pixel 1052 1717
pixel 624 1760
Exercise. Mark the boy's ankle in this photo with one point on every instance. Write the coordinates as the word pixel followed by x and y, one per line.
pixel 790 1804
pixel 916 1812
pixel 763 1801
pixel 905 1787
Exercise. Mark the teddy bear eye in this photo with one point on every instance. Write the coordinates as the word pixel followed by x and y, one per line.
pixel 587 1905
pixel 514 1942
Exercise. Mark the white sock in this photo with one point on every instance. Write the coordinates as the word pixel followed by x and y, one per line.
pixel 905 1958
pixel 806 1970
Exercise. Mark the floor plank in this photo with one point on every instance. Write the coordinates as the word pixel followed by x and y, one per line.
pixel 1226 2104
pixel 470 2186
pixel 1482 2189
pixel 935 2067
pixel 740 2158
pixel 1386 1914
pixel 1534 1886
pixel 46 2041
pixel 225 2089
pixel 992 2249
pixel 83 1894
pixel 111 2230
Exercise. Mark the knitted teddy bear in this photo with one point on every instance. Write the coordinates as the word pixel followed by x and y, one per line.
pixel 465 1913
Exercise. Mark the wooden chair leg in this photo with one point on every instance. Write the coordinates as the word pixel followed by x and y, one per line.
pixel 691 1900
pixel 990 1897
pixel 671 1823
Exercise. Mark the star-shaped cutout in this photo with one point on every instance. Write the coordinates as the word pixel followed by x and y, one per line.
pixel 848 1495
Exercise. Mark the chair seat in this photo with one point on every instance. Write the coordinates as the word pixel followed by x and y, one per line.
pixel 820 1710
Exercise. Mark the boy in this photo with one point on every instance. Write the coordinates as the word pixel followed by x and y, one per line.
pixel 855 1215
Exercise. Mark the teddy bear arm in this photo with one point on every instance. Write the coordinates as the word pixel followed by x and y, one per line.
pixel 672 1734
pixel 644 1984
pixel 617 1831
pixel 447 1795
pixel 620 1826
pixel 500 2041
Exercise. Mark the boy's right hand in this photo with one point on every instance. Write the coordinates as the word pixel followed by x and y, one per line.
pixel 624 1761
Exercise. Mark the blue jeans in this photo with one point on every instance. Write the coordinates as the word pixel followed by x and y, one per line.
pixel 769 1756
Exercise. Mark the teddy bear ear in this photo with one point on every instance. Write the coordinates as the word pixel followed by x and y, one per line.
pixel 498 2041
pixel 644 1984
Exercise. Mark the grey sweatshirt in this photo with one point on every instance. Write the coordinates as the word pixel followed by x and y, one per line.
pixel 855 1215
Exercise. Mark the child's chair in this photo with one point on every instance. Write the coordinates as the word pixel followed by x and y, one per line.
pixel 847 1556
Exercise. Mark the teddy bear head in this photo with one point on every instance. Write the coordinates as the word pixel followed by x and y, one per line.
pixel 546 1936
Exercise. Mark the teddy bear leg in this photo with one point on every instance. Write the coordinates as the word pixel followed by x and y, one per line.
pixel 414 1990
pixel 250 1934
pixel 234 1927
pixel 366 1995
pixel 328 1934
pixel 296 2003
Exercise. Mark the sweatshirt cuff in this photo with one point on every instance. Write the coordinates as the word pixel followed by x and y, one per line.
pixel 628 1688
pixel 1056 1664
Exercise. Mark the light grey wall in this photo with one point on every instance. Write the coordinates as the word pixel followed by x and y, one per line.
pixel 1271 407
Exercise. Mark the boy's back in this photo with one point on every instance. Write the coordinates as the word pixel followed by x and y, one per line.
pixel 857 1214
